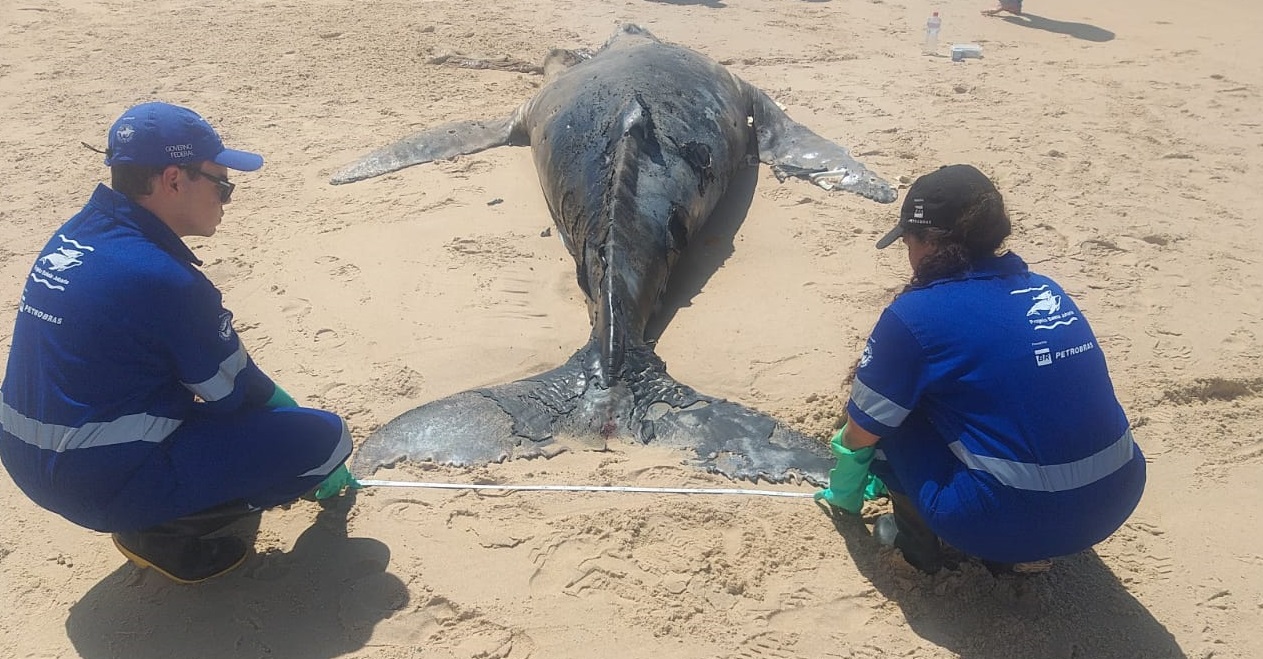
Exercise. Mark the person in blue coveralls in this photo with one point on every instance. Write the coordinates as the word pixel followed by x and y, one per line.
pixel 129 404
pixel 982 399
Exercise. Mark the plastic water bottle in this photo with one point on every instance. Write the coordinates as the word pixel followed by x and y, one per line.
pixel 931 34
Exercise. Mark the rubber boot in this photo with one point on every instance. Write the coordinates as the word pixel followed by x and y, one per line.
pixel 906 531
pixel 180 550
pixel 242 516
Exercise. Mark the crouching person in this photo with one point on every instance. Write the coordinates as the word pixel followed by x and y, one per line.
pixel 982 399
pixel 129 405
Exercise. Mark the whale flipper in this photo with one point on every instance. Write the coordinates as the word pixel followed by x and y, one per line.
pixel 793 150
pixel 448 140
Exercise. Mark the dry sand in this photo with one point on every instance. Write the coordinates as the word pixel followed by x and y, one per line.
pixel 1125 136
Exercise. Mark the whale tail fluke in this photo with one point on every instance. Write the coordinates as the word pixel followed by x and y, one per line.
pixel 545 414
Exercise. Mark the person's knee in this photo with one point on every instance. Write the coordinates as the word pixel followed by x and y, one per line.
pixel 310 442
pixel 313 425
pixel 332 426
pixel 335 437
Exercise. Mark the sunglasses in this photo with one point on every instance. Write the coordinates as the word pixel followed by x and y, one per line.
pixel 224 185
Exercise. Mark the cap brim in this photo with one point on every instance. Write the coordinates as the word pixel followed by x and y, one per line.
pixel 242 161
pixel 890 237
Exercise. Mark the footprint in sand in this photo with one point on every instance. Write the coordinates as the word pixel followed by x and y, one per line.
pixel 409 513
pixel 328 337
pixel 296 310
pixel 443 627
pixel 1243 342
pixel 1170 346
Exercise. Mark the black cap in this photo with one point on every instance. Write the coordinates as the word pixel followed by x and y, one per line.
pixel 939 198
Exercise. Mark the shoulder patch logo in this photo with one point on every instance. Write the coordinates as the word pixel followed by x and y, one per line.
pixel 1045 303
pixel 61 259
pixel 225 325
pixel 1046 308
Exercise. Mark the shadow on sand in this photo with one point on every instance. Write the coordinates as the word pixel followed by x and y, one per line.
pixel 1078 610
pixel 1076 30
pixel 322 599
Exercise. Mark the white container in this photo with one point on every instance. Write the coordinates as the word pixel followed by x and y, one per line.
pixel 961 51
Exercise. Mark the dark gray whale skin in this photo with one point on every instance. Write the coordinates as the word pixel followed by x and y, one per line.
pixel 634 146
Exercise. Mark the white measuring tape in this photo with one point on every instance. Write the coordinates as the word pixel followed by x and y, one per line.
pixel 587 488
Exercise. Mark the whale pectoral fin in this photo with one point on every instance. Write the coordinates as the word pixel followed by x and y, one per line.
pixel 794 150
pixel 740 443
pixel 445 141
pixel 498 64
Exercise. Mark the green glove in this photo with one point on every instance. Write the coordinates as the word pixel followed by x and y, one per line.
pixel 849 480
pixel 335 482
pixel 280 398
pixel 874 488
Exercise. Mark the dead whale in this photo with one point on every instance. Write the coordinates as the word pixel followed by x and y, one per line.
pixel 634 146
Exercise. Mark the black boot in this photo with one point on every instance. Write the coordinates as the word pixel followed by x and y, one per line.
pixel 906 531
pixel 179 549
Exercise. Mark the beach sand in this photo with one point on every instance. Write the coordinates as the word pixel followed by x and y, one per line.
pixel 1125 137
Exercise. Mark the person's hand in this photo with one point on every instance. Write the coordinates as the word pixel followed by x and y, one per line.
pixel 849 479
pixel 333 485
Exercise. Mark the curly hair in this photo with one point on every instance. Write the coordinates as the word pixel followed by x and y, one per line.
pixel 978 233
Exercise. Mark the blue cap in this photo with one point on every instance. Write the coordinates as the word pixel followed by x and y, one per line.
pixel 161 134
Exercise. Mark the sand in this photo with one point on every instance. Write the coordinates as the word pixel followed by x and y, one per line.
pixel 1125 137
